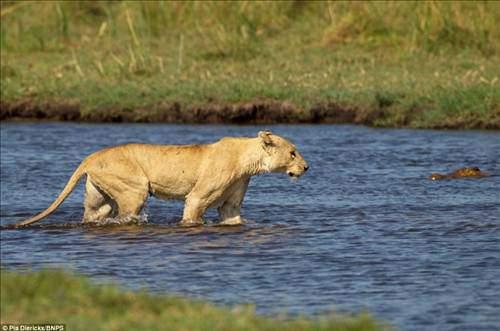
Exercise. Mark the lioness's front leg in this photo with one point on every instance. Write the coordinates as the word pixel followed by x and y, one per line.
pixel 230 210
pixel 194 208
pixel 204 195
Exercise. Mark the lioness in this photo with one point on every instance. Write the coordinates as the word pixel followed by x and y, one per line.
pixel 120 178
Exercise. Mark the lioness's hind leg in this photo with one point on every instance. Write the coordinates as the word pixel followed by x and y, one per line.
pixel 131 205
pixel 98 205
pixel 128 192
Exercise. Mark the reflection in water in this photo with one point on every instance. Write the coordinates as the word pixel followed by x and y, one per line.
pixel 363 229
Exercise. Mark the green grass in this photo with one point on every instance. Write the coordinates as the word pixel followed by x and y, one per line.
pixel 60 297
pixel 423 64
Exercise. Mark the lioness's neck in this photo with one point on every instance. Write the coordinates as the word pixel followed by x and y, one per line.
pixel 254 158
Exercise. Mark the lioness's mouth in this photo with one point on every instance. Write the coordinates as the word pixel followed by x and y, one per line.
pixel 293 175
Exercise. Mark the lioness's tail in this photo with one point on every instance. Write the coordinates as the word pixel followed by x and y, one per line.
pixel 79 172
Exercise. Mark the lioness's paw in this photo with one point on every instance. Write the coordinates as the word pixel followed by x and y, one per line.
pixel 233 221
pixel 190 223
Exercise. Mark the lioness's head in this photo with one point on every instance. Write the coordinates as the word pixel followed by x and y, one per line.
pixel 281 155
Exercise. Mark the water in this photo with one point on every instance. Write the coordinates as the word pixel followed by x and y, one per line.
pixel 362 230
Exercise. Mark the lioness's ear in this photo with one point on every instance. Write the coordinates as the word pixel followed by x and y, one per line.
pixel 265 136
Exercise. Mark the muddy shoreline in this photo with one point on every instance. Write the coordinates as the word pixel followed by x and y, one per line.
pixel 254 112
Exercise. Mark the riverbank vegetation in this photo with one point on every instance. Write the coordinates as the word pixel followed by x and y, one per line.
pixel 63 298
pixel 398 64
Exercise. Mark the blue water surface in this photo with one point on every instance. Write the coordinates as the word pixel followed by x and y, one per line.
pixel 364 229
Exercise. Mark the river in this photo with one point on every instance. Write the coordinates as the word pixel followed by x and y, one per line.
pixel 363 229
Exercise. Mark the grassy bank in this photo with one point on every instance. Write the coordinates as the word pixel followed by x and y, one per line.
pixel 414 64
pixel 58 297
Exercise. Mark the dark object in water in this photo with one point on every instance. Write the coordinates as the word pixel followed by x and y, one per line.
pixel 460 173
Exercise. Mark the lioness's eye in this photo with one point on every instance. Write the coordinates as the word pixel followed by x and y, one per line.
pixel 292 154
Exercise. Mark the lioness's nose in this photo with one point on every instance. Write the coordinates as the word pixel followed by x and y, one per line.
pixel 306 167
